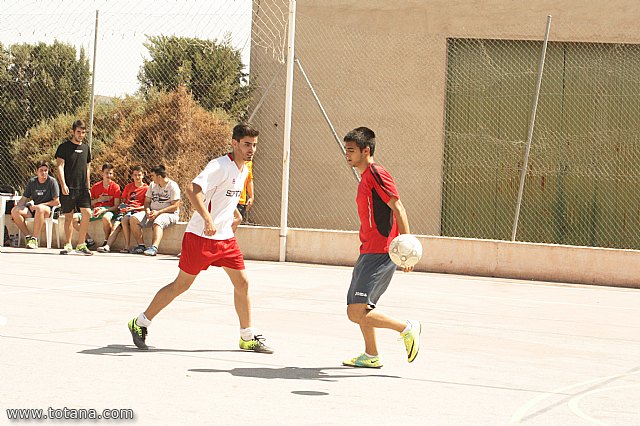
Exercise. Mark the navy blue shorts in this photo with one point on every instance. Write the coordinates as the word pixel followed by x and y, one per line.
pixel 371 277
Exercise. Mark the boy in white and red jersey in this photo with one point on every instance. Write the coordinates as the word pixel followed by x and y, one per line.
pixel 382 218
pixel 209 239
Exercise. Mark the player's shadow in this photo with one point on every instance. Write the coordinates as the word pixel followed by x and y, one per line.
pixel 127 350
pixel 293 373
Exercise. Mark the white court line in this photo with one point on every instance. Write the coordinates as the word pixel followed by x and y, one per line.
pixel 521 412
pixel 38 290
pixel 574 404
pixel 3 321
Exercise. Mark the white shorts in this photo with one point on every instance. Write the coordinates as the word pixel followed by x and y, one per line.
pixel 164 220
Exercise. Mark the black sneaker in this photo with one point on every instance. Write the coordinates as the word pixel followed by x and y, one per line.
pixel 90 243
pixel 139 249
pixel 138 333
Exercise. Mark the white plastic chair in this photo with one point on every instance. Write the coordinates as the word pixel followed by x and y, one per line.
pixel 48 226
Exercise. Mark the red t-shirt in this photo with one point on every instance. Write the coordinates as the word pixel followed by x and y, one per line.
pixel 134 197
pixel 377 222
pixel 113 191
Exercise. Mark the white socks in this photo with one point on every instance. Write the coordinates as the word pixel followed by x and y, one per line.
pixel 142 321
pixel 247 333
pixel 407 328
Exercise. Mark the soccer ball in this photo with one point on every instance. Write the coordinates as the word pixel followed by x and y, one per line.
pixel 405 250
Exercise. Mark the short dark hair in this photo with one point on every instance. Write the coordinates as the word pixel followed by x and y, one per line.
pixel 363 137
pixel 159 170
pixel 42 163
pixel 242 130
pixel 107 166
pixel 136 168
pixel 78 124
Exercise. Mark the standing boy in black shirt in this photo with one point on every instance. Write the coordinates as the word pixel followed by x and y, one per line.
pixel 73 161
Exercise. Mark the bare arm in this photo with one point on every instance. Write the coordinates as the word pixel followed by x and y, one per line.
pixel 401 219
pixel 23 201
pixel 175 205
pixel 102 199
pixel 52 203
pixel 195 195
pixel 250 198
pixel 400 214
pixel 147 205
pixel 88 175
pixel 64 189
pixel 137 209
pixel 116 203
pixel 237 218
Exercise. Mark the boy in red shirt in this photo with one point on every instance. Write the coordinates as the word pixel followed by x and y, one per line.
pixel 105 198
pixel 382 218
pixel 132 201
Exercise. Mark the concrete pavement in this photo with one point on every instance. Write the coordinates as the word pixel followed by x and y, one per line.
pixel 494 351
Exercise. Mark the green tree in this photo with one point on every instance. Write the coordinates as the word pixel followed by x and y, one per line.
pixel 211 71
pixel 38 82
pixel 5 160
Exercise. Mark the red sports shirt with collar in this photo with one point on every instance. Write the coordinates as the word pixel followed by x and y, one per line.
pixel 112 191
pixel 377 222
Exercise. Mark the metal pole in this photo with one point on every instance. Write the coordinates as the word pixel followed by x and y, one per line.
pixel 264 95
pixel 326 118
pixel 288 106
pixel 532 121
pixel 93 83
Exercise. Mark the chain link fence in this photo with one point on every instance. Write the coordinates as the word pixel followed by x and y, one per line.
pixel 583 166
pixel 461 178
pixel 336 90
pixel 170 83
pixel 451 114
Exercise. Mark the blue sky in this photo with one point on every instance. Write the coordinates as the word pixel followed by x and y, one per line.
pixel 122 27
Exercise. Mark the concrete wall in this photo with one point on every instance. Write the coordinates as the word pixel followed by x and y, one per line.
pixel 527 261
pixel 573 20
pixel 170 243
pixel 363 77
pixel 542 262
